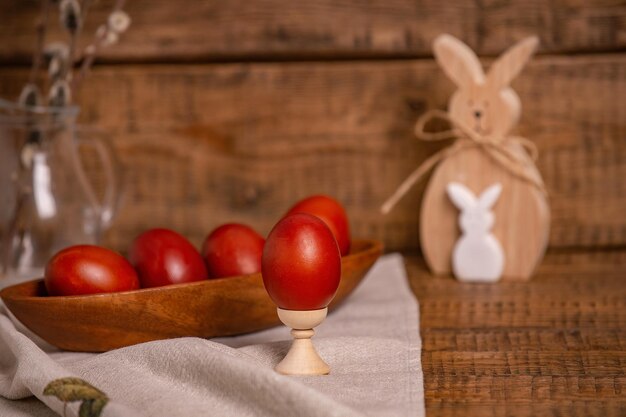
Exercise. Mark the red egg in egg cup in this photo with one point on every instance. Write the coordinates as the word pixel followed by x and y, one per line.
pixel 301 268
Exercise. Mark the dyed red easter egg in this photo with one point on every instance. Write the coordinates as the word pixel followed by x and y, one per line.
pixel 164 257
pixel 301 263
pixel 87 269
pixel 332 213
pixel 233 249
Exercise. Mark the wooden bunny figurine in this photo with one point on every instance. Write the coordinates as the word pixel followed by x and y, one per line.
pixel 487 108
pixel 477 256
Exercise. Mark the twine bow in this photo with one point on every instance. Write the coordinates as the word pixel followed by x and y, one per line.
pixel 496 148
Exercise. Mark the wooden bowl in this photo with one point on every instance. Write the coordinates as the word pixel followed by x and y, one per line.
pixel 212 308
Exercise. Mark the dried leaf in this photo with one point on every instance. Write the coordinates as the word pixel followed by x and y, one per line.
pixel 73 389
pixel 92 408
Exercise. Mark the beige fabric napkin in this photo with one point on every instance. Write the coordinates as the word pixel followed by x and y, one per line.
pixel 371 343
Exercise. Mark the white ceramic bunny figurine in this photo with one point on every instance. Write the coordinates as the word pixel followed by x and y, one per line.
pixel 485 103
pixel 477 255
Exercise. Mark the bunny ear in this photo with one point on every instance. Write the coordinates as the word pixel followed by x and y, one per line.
pixel 489 197
pixel 461 196
pixel 506 68
pixel 458 61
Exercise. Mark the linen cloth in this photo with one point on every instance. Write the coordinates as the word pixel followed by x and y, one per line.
pixel 371 343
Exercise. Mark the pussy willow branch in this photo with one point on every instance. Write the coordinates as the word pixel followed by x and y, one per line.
pixel 91 55
pixel 72 43
pixel 84 10
pixel 42 26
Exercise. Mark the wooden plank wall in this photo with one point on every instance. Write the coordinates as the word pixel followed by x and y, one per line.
pixel 230 111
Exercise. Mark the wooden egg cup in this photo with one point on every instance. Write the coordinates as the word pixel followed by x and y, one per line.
pixel 302 358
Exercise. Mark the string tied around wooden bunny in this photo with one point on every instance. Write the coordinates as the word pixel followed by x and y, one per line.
pixel 495 147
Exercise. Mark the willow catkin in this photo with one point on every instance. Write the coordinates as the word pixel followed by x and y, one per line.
pixel 70 15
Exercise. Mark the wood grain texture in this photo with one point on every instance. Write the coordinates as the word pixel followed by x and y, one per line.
pixel 163 30
pixel 207 144
pixel 302 358
pixel 555 345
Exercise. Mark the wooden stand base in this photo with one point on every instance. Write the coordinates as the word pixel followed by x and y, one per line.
pixel 302 358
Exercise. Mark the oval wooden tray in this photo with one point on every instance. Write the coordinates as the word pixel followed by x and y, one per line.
pixel 212 308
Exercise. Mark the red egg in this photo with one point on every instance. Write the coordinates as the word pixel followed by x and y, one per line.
pixel 301 263
pixel 332 213
pixel 87 269
pixel 164 257
pixel 233 249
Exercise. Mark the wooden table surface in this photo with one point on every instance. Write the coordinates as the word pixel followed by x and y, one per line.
pixel 553 346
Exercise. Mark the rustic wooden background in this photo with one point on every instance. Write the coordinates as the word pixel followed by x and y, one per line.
pixel 554 346
pixel 231 111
